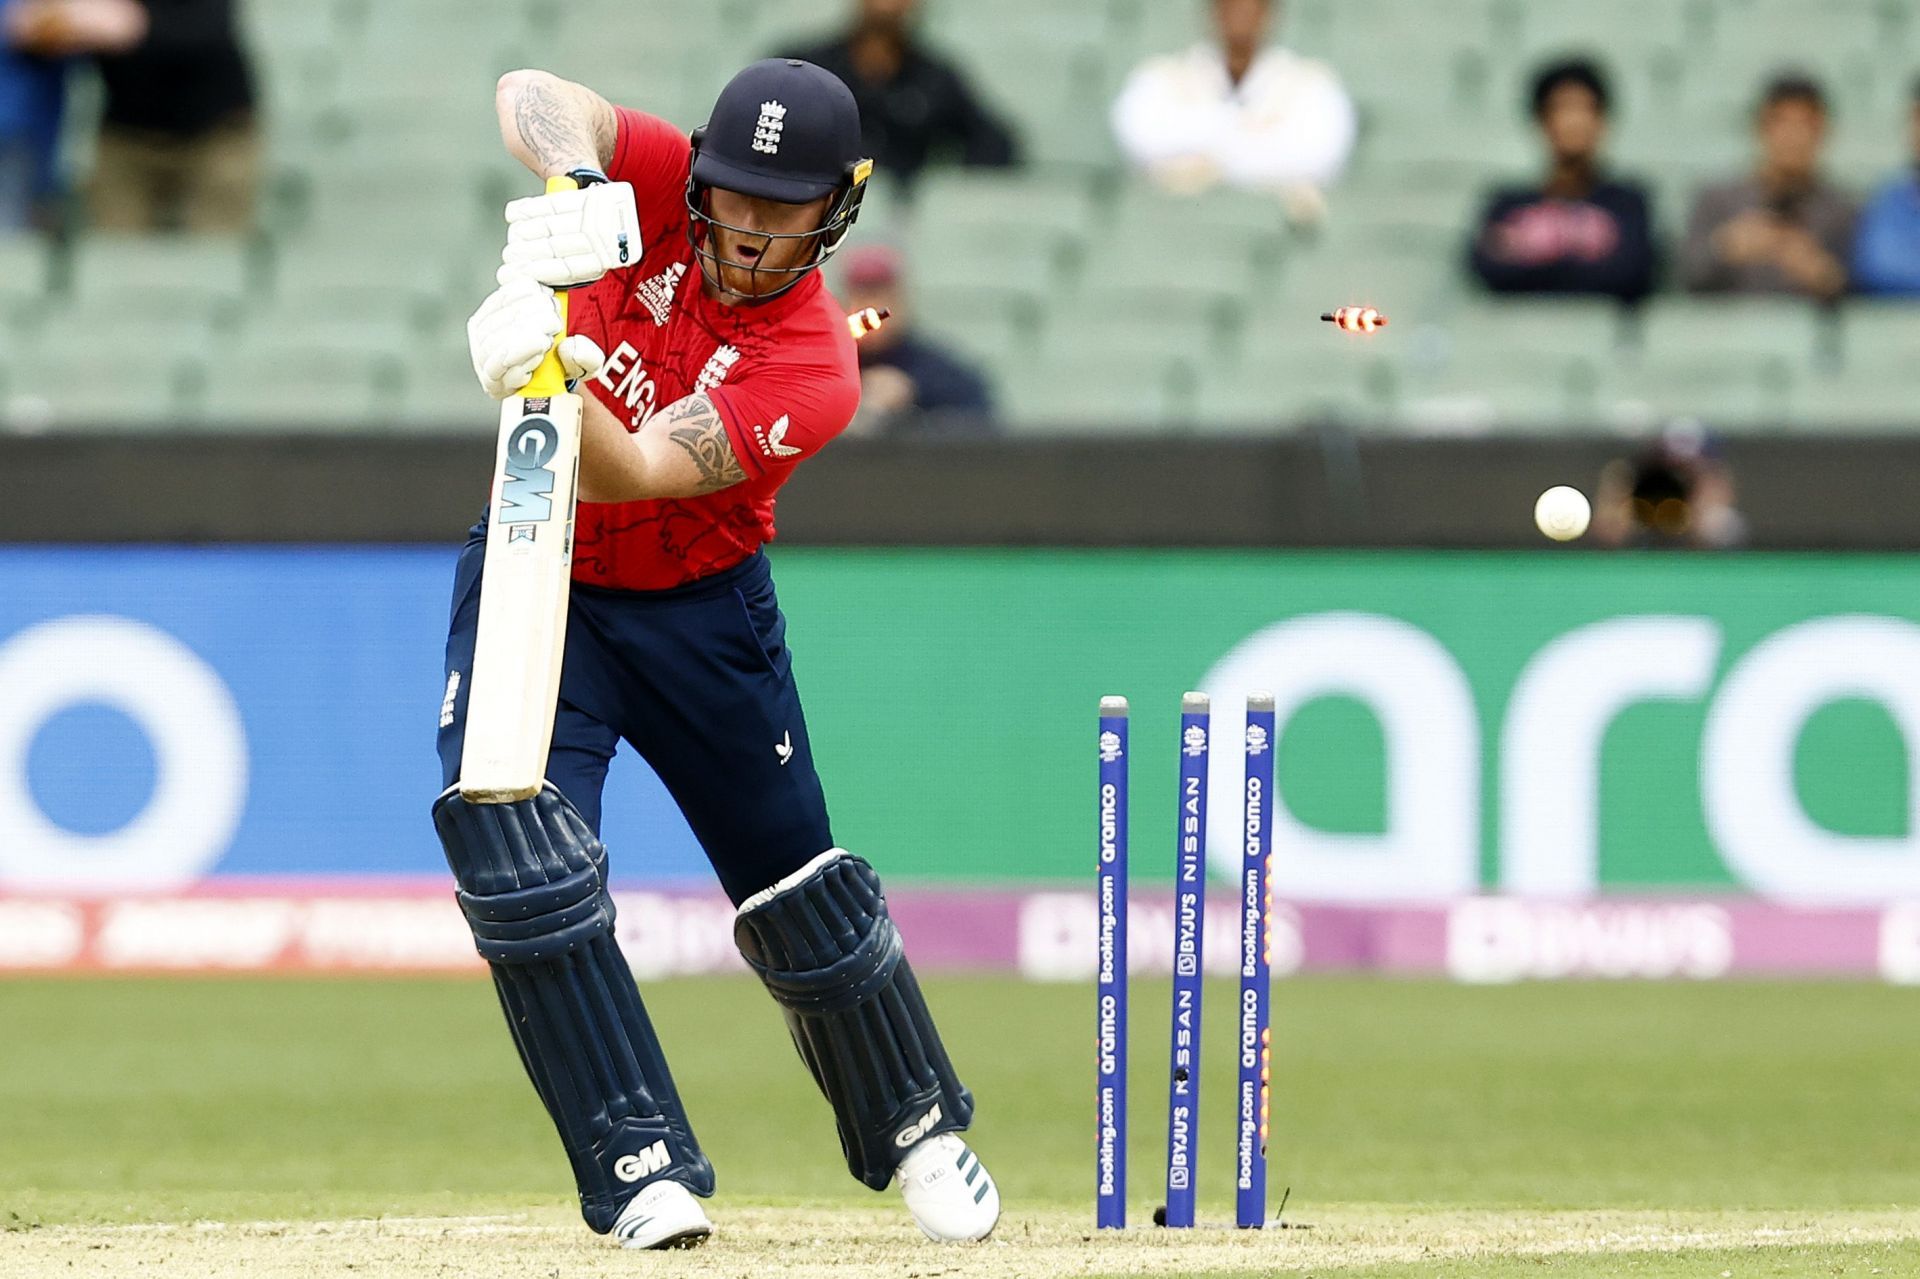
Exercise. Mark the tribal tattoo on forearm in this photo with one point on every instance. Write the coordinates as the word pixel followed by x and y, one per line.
pixel 551 126
pixel 696 427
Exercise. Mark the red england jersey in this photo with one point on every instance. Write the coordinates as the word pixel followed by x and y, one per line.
pixel 783 375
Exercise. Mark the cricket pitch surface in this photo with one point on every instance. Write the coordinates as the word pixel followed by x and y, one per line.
pixel 798 1243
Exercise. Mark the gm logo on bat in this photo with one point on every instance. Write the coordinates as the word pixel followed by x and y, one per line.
pixel 526 491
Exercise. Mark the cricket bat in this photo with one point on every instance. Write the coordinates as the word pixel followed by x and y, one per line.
pixel 523 593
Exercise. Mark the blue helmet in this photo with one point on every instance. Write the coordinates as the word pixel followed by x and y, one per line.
pixel 781 130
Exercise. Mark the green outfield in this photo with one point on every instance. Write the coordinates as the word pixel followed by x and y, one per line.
pixel 1425 1129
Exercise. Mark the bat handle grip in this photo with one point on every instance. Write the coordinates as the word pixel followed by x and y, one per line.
pixel 550 379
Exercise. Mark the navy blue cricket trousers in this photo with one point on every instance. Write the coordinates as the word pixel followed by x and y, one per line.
pixel 698 680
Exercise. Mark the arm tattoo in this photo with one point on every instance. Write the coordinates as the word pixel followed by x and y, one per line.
pixel 552 129
pixel 606 132
pixel 696 427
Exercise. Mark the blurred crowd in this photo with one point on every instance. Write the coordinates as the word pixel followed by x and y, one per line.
pixel 1240 109
pixel 178 142
pixel 1780 228
pixel 178 147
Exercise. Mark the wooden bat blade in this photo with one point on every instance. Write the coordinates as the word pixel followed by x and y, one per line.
pixel 515 681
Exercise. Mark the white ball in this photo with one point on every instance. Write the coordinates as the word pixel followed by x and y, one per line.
pixel 1562 513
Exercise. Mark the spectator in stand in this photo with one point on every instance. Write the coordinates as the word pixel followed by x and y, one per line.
pixel 1675 493
pixel 916 108
pixel 1239 111
pixel 39 38
pixel 1886 249
pixel 909 384
pixel 179 144
pixel 1785 229
pixel 1579 232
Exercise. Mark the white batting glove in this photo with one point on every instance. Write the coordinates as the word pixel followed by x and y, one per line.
pixel 512 332
pixel 572 238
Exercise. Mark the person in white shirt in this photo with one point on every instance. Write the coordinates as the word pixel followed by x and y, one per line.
pixel 1237 111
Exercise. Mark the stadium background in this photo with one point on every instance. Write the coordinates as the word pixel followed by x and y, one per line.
pixel 231 530
pixel 1096 301
pixel 235 474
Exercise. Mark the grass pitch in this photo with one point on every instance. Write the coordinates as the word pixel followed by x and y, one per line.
pixel 169 1128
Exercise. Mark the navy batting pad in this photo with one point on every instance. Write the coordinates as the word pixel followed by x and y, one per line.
pixel 832 959
pixel 532 882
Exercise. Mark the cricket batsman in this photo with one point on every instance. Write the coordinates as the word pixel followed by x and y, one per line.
pixel 713 362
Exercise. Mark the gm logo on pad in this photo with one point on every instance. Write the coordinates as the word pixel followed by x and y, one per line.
pixel 914 1131
pixel 631 1168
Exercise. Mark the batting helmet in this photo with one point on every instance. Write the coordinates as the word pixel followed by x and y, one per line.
pixel 781 130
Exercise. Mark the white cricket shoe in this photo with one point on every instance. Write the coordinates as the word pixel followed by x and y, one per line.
pixel 664 1215
pixel 948 1191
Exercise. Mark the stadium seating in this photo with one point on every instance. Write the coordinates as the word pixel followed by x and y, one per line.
pixel 1093 302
